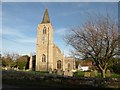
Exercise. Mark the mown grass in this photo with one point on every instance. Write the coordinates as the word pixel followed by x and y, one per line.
pixel 31 79
pixel 114 75
pixel 81 74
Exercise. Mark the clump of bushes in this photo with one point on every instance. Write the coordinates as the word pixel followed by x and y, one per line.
pixel 116 68
pixel 79 74
pixel 22 62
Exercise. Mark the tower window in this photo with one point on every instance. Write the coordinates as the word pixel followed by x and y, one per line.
pixel 43 58
pixel 44 30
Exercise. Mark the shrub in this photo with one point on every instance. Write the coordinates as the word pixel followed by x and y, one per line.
pixel 22 62
pixel 116 68
pixel 78 74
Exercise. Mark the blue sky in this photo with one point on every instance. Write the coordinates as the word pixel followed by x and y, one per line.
pixel 20 20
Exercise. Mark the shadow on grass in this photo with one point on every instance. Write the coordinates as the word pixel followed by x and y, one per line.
pixel 36 80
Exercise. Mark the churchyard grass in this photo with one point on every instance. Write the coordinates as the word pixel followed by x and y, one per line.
pixel 114 75
pixel 81 74
pixel 33 79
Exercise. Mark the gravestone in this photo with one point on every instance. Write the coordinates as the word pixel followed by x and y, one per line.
pixel 12 68
pixel 24 68
pixel 59 72
pixel 68 73
pixel 17 69
pixel 6 68
pixel 50 71
pixel 92 74
pixel 87 74
pixel 108 73
pixel 96 72
pixel 54 71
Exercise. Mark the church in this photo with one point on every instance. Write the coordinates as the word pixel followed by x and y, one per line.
pixel 48 55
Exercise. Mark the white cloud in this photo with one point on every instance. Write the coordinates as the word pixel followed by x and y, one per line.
pixel 17 36
pixel 11 32
pixel 60 32
pixel 27 40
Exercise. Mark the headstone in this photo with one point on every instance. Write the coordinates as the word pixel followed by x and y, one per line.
pixel 92 74
pixel 74 70
pixel 54 71
pixel 50 71
pixel 17 69
pixel 108 73
pixel 68 73
pixel 24 68
pixel 96 72
pixel 5 68
pixel 12 68
pixel 87 74
pixel 27 70
pixel 59 72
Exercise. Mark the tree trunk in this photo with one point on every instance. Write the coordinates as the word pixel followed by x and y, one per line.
pixel 103 73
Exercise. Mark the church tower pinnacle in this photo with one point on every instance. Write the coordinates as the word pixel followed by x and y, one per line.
pixel 46 18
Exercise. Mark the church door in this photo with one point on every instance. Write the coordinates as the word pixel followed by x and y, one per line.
pixel 58 64
pixel 69 66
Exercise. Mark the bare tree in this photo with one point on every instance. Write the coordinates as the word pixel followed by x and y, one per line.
pixel 14 56
pixel 97 39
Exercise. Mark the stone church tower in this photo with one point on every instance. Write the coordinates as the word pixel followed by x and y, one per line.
pixel 48 55
pixel 44 47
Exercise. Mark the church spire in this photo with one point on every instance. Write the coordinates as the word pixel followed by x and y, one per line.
pixel 46 18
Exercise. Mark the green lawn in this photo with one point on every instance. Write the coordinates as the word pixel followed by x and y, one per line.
pixel 81 74
pixel 39 79
pixel 114 75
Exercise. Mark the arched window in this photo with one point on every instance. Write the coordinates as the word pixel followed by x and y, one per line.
pixel 43 58
pixel 59 64
pixel 44 30
pixel 68 66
